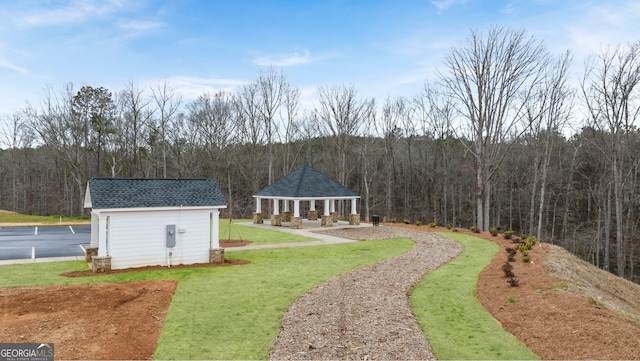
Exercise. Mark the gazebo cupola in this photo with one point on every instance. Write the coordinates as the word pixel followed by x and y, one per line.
pixel 305 184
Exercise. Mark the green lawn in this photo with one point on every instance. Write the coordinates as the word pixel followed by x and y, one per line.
pixel 12 217
pixel 228 312
pixel 452 318
pixel 235 312
pixel 261 235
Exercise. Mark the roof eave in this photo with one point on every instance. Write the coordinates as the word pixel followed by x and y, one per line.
pixel 147 209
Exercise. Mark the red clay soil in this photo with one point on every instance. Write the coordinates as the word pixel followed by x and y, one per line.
pixel 554 321
pixel 103 321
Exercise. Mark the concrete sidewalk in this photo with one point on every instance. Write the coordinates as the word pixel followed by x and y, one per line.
pixel 309 229
pixel 40 260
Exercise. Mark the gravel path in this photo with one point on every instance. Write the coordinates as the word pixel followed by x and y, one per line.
pixel 365 314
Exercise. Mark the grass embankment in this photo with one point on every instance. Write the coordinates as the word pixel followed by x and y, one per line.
pixel 7 217
pixel 228 312
pixel 452 318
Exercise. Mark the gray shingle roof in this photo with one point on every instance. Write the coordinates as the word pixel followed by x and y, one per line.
pixel 109 193
pixel 306 182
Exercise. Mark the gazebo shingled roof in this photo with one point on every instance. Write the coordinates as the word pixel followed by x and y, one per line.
pixel 305 183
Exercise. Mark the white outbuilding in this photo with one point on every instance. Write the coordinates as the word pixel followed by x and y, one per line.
pixel 151 222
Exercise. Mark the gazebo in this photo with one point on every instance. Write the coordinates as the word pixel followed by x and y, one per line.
pixel 308 185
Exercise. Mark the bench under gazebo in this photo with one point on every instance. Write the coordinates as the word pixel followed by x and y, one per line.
pixel 305 184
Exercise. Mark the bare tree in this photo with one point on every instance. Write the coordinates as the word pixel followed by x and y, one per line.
pixel 435 113
pixel 136 116
pixel 15 136
pixel 610 89
pixel 251 133
pixel 291 127
pixel 558 99
pixel 391 120
pixel 271 87
pixel 65 134
pixel 167 106
pixel 489 76
pixel 341 114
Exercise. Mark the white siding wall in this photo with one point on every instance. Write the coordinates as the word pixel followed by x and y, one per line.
pixel 137 239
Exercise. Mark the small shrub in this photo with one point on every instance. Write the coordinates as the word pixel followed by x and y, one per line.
pixel 418 223
pixel 406 221
pixel 476 231
pixel 523 248
pixel 512 299
pixel 434 224
pixel 513 282
pixel 507 268
pixel 515 240
pixel 493 231
pixel 526 258
pixel 449 226
pixel 394 220
pixel 531 241
pixel 523 235
pixel 455 230
pixel 472 228
pixel 508 234
pixel 511 254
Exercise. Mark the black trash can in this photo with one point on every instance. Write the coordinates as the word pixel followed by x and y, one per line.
pixel 376 220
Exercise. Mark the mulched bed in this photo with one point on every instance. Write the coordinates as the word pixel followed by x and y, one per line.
pixel 365 313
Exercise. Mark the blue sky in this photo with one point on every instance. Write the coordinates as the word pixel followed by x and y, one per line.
pixel 383 48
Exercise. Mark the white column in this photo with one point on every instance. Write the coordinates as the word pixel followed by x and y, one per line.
pixel 102 236
pixel 215 220
pixel 312 205
pixel 333 205
pixel 286 205
pixel 276 206
pixel 94 230
pixel 296 208
pixel 353 206
pixel 326 207
pixel 258 205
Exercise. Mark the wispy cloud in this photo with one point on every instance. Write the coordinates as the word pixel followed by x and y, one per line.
pixel 192 87
pixel 285 59
pixel 443 5
pixel 4 63
pixel 140 25
pixel 603 25
pixel 72 13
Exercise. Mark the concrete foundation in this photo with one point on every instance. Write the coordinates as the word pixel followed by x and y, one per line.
pixel 216 255
pixel 326 221
pixel 101 264
pixel 354 219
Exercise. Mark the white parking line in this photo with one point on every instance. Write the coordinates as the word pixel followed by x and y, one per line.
pixel 36 231
pixel 33 253
pixel 72 231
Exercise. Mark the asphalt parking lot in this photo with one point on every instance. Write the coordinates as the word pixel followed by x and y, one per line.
pixel 25 243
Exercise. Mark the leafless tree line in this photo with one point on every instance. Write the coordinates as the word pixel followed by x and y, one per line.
pixel 484 145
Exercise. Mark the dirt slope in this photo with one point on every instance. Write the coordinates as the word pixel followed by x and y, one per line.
pixel 563 308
